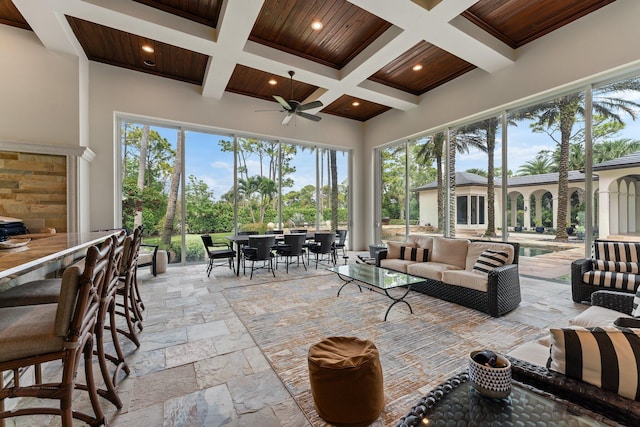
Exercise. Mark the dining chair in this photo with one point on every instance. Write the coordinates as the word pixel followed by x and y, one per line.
pixel 218 251
pixel 323 248
pixel 259 249
pixel 64 331
pixel 341 235
pixel 293 247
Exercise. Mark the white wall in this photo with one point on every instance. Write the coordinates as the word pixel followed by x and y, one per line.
pixel 38 91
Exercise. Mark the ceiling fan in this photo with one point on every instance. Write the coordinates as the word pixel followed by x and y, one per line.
pixel 296 108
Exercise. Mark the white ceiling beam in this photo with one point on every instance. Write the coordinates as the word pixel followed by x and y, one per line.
pixel 236 21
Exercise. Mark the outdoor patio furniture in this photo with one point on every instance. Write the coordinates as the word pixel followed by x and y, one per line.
pixel 293 246
pixel 259 250
pixel 323 248
pixel 218 251
pixel 341 235
pixel 62 332
pixel 614 265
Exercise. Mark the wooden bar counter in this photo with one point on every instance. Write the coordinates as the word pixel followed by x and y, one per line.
pixel 44 255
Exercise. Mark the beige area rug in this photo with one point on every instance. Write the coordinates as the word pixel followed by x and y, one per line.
pixel 417 351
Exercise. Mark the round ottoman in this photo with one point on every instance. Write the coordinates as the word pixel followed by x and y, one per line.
pixel 346 380
pixel 162 259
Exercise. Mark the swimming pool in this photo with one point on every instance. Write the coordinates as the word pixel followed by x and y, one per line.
pixel 538 250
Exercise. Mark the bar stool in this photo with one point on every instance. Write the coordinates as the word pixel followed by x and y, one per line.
pixel 47 291
pixel 34 334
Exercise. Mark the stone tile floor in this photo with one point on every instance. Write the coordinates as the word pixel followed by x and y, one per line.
pixel 199 366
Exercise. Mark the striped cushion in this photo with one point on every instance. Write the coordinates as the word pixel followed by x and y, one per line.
pixel 619 266
pixel 636 305
pixel 414 254
pixel 607 357
pixel 612 279
pixel 488 260
pixel 617 251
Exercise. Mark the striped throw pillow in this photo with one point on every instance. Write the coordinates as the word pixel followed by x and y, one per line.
pixel 619 266
pixel 488 260
pixel 617 251
pixel 607 357
pixel 636 305
pixel 414 254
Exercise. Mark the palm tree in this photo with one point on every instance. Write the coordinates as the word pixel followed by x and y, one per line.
pixel 433 151
pixel 173 192
pixel 540 165
pixel 561 114
pixel 333 165
pixel 609 150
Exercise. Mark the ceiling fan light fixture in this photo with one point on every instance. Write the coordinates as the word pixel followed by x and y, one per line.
pixel 317 25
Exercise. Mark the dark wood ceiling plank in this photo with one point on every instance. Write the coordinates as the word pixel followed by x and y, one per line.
pixel 205 12
pixel 10 15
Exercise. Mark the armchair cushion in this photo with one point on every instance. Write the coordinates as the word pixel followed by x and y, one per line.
pixel 612 279
pixel 619 266
pixel 605 357
pixel 596 316
pixel 636 304
pixel 616 251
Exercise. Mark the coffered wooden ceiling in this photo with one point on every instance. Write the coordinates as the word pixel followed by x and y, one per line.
pixel 360 64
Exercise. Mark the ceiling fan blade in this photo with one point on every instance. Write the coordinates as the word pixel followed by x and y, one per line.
pixel 310 116
pixel 282 102
pixel 287 119
pixel 310 105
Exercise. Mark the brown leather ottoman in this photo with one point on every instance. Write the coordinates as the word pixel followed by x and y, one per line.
pixel 346 380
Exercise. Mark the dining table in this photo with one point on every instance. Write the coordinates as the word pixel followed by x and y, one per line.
pixel 240 240
pixel 35 256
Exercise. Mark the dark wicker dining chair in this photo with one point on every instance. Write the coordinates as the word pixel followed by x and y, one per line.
pixel 323 248
pixel 217 251
pixel 259 249
pixel 293 246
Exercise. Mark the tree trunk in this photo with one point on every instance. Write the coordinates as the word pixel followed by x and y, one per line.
pixel 334 189
pixel 142 163
pixel 452 184
pixel 173 192
pixel 491 208
pixel 566 124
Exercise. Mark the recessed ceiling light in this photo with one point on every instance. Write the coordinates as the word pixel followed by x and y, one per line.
pixel 355 103
pixel 273 82
pixel 147 48
pixel 149 63
pixel 417 67
pixel 317 25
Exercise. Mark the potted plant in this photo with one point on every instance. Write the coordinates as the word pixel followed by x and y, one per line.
pixel 539 227
pixel 517 228
pixel 580 232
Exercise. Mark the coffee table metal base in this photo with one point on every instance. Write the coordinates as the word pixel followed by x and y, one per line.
pixel 360 284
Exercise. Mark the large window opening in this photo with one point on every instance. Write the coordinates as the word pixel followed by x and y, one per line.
pixel 181 183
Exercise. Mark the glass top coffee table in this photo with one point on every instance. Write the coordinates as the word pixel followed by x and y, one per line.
pixel 455 402
pixel 377 279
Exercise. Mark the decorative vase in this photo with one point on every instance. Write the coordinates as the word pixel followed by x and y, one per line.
pixel 490 381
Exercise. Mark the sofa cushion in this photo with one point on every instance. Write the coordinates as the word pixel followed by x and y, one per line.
pixel 612 279
pixel 596 316
pixel 475 249
pixel 488 260
pixel 396 264
pixel 616 251
pixel 450 251
pixel 619 266
pixel 532 352
pixel 394 248
pixel 430 270
pixel 421 241
pixel 608 357
pixel 466 279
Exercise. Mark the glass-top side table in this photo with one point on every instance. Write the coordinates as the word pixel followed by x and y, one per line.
pixel 456 403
